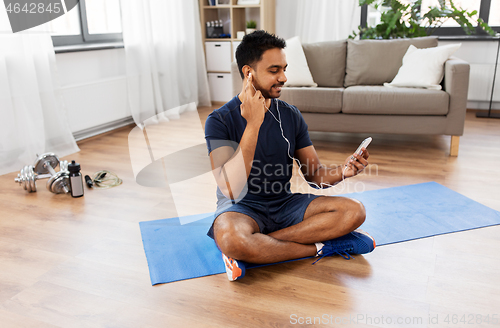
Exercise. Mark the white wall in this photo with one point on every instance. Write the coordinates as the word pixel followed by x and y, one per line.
pixel 316 21
pixel 93 86
pixel 95 91
pixel 481 56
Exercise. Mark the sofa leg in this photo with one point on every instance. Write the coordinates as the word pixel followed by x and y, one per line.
pixel 454 145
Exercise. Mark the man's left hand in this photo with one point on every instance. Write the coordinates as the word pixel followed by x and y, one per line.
pixel 355 163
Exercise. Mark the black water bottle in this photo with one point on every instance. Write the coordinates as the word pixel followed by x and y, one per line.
pixel 75 179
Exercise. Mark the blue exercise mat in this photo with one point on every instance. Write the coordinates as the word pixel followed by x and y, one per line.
pixel 177 252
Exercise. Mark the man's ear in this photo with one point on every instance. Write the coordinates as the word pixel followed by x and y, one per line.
pixel 246 70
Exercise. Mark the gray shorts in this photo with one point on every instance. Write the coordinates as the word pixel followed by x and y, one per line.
pixel 270 215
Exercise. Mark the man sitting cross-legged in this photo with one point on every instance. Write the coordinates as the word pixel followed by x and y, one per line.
pixel 251 141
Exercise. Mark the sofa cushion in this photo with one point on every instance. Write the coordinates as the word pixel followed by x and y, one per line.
pixel 298 73
pixel 374 62
pixel 314 100
pixel 400 101
pixel 326 62
pixel 423 68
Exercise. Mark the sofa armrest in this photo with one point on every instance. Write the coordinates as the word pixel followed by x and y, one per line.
pixel 456 84
pixel 236 79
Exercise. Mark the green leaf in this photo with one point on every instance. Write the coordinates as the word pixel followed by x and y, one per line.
pixel 405 19
pixel 366 2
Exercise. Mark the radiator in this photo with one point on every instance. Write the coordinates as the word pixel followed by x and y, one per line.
pixel 480 82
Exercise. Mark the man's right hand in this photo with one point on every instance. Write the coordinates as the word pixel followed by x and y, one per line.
pixel 252 106
pixel 232 168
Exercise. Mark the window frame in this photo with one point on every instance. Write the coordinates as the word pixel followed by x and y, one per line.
pixel 85 38
pixel 484 14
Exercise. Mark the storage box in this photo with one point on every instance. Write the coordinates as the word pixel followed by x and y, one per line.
pixel 218 56
pixel 220 86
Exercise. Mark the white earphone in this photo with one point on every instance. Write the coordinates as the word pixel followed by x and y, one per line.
pixel 289 146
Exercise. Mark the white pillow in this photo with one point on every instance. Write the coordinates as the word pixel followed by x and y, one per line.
pixel 297 72
pixel 423 68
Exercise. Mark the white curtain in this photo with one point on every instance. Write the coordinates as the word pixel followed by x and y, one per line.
pixel 32 113
pixel 165 61
pixel 317 20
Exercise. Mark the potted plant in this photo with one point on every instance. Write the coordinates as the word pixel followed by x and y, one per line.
pixel 251 26
pixel 405 20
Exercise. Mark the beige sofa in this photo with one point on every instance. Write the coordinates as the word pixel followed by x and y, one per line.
pixel 350 96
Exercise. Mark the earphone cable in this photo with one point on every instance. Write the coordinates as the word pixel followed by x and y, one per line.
pixel 323 185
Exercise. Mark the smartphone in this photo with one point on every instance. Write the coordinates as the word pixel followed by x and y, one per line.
pixel 363 144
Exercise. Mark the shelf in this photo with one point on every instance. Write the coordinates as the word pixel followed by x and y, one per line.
pixel 222 39
pixel 217 7
pixel 234 18
pixel 246 6
pixel 229 6
pixel 218 39
pixel 468 38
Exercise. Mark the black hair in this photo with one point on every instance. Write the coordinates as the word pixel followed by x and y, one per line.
pixel 253 45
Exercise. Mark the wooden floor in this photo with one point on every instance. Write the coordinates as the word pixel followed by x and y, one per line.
pixel 68 262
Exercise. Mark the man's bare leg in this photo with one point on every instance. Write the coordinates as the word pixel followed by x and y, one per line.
pixel 237 235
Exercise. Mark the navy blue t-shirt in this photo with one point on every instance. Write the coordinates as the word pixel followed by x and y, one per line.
pixel 272 167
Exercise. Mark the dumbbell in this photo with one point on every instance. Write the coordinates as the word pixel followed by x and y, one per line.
pixel 44 164
pixel 27 178
pixel 44 168
pixel 58 181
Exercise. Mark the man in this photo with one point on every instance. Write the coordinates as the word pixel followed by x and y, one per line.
pixel 251 141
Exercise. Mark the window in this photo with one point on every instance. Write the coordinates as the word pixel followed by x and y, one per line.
pixel 103 17
pixel 91 21
pixel 488 10
pixel 67 24
pixel 469 5
pixel 494 19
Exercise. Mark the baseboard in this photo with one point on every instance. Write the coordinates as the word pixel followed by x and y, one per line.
pixel 218 103
pixel 99 129
pixel 483 105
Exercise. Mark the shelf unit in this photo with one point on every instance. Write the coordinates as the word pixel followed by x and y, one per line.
pixel 234 18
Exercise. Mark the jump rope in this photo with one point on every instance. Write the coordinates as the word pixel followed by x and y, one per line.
pixel 364 144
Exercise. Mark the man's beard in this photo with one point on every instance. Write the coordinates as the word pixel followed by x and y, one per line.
pixel 267 93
